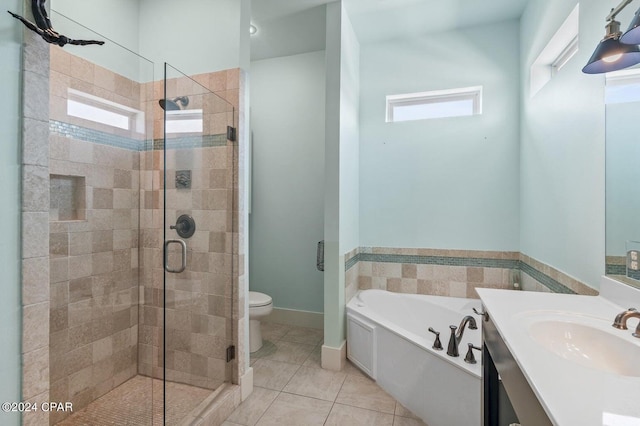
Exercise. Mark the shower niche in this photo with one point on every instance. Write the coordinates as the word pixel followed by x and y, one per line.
pixel 67 198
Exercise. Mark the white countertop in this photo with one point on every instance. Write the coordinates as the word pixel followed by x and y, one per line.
pixel 571 394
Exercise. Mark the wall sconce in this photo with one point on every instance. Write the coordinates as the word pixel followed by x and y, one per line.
pixel 616 50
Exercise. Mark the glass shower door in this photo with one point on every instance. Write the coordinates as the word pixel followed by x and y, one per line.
pixel 197 180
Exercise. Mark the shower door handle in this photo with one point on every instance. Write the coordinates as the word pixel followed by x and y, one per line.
pixel 183 248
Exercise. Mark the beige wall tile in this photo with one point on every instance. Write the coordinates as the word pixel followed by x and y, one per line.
pixel 36 372
pixel 35 280
pixel 409 270
pixel 35 326
pixel 35 149
pixel 475 275
pixel 35 95
pixel 35 235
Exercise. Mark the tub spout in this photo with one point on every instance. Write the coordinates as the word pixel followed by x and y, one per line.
pixel 456 337
pixel 466 320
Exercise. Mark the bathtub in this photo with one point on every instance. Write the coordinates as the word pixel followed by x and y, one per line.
pixel 388 339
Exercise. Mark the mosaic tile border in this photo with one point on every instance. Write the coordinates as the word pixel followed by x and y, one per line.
pixel 103 138
pixel 438 260
pixel 189 142
pixel 518 265
pixel 90 135
pixel 544 279
pixel 614 269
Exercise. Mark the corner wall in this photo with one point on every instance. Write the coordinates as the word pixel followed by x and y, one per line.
pixel 342 187
pixel 10 247
pixel 562 178
pixel 449 183
pixel 288 114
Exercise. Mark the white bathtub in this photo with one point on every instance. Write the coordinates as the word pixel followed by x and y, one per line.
pixel 388 338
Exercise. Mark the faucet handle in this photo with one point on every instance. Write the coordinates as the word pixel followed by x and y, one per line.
pixel 483 314
pixel 437 345
pixel 469 357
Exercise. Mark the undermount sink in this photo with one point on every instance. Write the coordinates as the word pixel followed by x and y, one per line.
pixel 588 346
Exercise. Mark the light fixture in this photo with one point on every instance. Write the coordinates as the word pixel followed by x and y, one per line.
pixel 253 29
pixel 632 36
pixel 613 53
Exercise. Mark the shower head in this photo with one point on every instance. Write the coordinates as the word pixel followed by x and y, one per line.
pixel 175 104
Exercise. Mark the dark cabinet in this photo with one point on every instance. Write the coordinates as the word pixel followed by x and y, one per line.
pixel 507 397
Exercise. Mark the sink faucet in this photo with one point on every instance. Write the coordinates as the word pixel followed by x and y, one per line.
pixel 456 337
pixel 621 320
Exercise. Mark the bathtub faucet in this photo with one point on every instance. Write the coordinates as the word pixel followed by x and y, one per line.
pixel 456 337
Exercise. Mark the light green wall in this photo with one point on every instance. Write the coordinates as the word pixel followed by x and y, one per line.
pixel 623 175
pixel 447 183
pixel 195 36
pixel 286 221
pixel 349 138
pixel 333 259
pixel 562 147
pixel 341 210
pixel 10 248
pixel 117 20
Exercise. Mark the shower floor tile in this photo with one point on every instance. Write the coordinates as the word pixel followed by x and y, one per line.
pixel 131 404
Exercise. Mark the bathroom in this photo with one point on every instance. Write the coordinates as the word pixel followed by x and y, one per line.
pixel 400 206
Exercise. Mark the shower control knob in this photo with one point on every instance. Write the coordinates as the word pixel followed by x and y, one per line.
pixel 437 345
pixel 185 226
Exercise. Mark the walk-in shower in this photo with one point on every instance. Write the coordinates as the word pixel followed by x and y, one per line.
pixel 141 325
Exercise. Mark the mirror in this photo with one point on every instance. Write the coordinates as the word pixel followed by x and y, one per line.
pixel 622 99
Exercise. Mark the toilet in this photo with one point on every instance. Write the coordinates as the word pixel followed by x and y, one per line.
pixel 260 305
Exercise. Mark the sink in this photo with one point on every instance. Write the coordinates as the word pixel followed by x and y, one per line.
pixel 588 345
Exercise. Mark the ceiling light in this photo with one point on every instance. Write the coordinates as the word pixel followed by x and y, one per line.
pixel 253 29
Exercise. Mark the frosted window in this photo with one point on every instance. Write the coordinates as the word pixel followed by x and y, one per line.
pixel 99 110
pixel 97 114
pixel 462 102
pixel 185 121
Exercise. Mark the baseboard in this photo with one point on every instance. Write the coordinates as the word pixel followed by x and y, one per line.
pixel 297 318
pixel 246 383
pixel 334 358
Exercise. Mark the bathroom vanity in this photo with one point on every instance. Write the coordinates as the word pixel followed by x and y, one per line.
pixel 558 359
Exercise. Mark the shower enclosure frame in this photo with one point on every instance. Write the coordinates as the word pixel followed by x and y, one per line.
pixel 35 304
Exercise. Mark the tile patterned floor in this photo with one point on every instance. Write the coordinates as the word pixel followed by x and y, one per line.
pixel 291 389
pixel 137 402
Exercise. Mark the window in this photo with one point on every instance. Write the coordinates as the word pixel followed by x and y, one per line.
pixel 461 102
pixel 556 54
pixel 99 110
pixel 184 121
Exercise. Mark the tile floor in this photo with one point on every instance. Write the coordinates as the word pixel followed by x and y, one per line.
pixel 290 388
pixel 138 402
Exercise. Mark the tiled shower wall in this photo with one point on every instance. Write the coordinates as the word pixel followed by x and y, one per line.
pixel 94 253
pixel 455 273
pixel 199 300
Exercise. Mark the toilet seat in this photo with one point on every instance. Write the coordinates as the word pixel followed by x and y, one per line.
pixel 257 299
